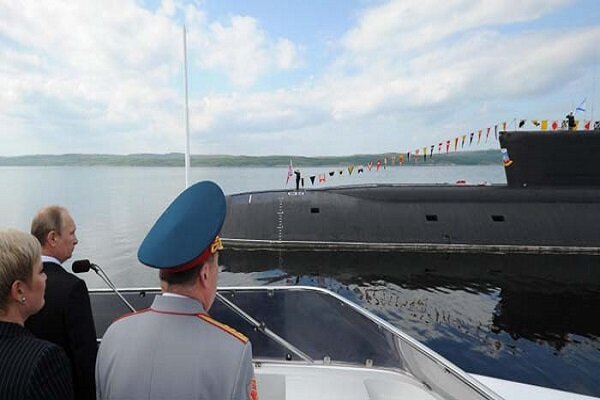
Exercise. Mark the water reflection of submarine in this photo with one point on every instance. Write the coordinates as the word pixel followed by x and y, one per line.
pixel 547 273
pixel 550 204
pixel 540 297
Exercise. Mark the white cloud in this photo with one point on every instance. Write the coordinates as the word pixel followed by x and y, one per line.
pixel 112 71
pixel 286 54
pixel 115 66
pixel 413 24
pixel 242 50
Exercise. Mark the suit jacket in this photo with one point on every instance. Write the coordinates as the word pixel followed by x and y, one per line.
pixel 66 319
pixel 32 368
pixel 174 350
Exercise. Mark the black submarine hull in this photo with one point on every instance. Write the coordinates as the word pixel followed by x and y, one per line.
pixel 551 204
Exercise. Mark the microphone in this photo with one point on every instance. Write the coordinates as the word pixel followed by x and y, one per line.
pixel 80 266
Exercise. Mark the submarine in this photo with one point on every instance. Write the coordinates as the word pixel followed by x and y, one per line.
pixel 549 205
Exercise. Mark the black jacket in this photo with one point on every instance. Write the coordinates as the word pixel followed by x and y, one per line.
pixel 32 368
pixel 66 320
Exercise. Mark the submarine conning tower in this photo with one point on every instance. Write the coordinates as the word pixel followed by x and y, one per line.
pixel 552 158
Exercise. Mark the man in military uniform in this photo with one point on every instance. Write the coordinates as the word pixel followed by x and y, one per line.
pixel 175 349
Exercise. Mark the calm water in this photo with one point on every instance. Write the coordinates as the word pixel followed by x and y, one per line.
pixel 527 318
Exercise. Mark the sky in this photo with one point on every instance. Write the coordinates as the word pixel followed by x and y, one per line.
pixel 297 77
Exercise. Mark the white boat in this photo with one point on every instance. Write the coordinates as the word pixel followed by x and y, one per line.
pixel 311 343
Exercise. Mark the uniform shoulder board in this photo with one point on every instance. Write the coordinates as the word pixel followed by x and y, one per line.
pixel 131 314
pixel 241 337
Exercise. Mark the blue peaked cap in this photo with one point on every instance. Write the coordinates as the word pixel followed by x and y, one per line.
pixel 186 228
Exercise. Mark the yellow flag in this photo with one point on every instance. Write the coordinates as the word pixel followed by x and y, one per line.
pixel 576 124
pixel 544 124
pixel 350 169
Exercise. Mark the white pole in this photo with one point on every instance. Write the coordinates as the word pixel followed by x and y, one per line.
pixel 187 113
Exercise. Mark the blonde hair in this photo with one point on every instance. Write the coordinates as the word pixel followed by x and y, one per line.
pixel 19 251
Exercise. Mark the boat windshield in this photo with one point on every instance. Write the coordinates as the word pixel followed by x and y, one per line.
pixel 312 325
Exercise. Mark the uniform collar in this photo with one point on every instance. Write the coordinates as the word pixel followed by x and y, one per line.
pixel 177 304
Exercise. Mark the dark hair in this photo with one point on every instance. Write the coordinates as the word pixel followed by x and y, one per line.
pixel 47 220
pixel 185 278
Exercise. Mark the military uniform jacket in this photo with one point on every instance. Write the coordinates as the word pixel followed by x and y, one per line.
pixel 174 350
pixel 66 320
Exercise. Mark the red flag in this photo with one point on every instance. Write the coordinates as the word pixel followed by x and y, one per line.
pixel 555 125
pixel 587 125
pixel 378 164
pixel 290 172
pixel 447 145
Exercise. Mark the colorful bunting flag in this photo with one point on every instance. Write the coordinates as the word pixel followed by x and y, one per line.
pixel 478 136
pixel 447 145
pixel 504 126
pixel 440 147
pixel 378 165
pixel 587 125
pixel 521 123
pixel 322 178
pixel 431 151
pixel 471 138
pixel 370 165
pixel 425 153
pixel 360 170
pixel 455 143
pixel 505 159
pixel 554 125
pixel 487 135
pixel 350 169
pixel 496 131
pixel 544 125
pixel 564 124
pixel 331 173
pixel 312 179
pixel 580 107
pixel 401 158
pixel 535 122
pixel 597 126
pixel 463 141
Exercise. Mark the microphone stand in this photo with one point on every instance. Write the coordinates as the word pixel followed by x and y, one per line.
pixel 100 272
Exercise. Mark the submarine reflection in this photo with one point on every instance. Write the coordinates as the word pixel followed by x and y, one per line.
pixel 542 298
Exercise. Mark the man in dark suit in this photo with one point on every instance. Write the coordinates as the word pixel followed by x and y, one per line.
pixel 66 318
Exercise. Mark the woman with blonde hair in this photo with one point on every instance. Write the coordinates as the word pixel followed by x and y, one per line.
pixel 30 368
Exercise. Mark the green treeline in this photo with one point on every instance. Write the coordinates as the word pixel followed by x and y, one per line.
pixel 481 157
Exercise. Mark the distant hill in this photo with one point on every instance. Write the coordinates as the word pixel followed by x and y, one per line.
pixel 481 157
